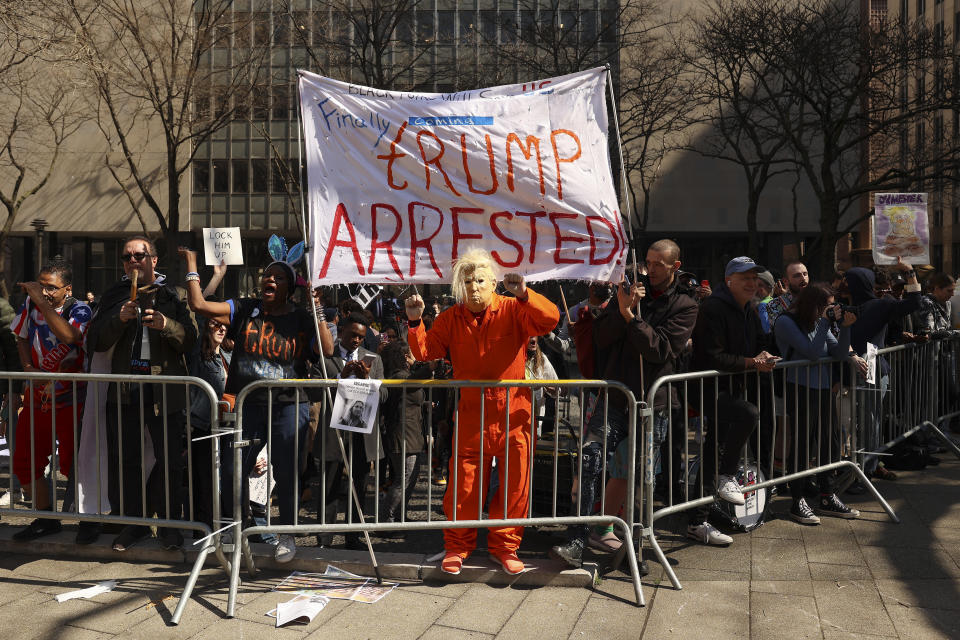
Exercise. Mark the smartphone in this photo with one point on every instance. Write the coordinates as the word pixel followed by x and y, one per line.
pixel 705 284
pixel 368 359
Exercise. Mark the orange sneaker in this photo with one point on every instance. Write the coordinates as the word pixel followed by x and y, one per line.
pixel 509 561
pixel 452 563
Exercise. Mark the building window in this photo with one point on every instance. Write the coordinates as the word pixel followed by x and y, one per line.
pixel 281 102
pixel 921 7
pixel 201 176
pixel 279 176
pixel 955 255
pixel 938 217
pixel 956 215
pixel 937 256
pixel 260 175
pixel 241 176
pixel 221 176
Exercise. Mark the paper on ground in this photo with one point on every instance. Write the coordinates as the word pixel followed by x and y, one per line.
pixel 336 583
pixel 89 592
pixel 299 607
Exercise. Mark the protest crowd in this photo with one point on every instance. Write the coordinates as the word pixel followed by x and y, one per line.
pixel 660 320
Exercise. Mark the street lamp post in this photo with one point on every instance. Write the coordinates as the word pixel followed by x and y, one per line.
pixel 39 225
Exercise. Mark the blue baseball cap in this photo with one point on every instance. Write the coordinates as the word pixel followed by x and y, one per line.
pixel 742 264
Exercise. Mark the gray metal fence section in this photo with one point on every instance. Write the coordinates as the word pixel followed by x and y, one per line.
pixel 851 423
pixel 923 392
pixel 13 384
pixel 322 390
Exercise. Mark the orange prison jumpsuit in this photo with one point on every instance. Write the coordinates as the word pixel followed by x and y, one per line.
pixel 494 350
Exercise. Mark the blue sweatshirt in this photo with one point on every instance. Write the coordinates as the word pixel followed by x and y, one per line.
pixel 794 344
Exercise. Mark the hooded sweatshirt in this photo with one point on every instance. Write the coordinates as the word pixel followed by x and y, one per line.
pixel 874 313
pixel 726 333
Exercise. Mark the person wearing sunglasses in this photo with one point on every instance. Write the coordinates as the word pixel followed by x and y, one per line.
pixel 273 339
pixel 49 330
pixel 150 335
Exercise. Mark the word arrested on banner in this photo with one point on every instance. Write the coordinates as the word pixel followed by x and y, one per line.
pixel 520 237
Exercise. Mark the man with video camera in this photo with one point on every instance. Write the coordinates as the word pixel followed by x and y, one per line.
pixel 639 337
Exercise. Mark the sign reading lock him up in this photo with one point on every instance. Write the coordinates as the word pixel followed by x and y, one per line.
pixel 222 244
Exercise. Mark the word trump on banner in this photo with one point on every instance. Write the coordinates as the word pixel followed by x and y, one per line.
pixel 222 244
pixel 402 183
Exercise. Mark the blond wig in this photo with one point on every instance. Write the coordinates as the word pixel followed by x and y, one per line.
pixel 469 264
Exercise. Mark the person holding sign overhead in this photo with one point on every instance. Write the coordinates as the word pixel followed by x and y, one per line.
pixel 273 339
pixel 485 335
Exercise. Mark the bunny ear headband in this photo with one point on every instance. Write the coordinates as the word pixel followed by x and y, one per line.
pixel 286 258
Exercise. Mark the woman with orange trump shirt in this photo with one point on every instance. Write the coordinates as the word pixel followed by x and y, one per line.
pixel 486 336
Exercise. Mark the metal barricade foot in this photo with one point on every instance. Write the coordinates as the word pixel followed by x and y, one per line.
pixel 662 559
pixel 234 577
pixel 191 582
pixel 632 561
pixel 876 494
pixel 947 440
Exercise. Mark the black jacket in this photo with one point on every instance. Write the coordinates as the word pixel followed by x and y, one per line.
pixel 403 418
pixel 873 314
pixel 726 333
pixel 168 348
pixel 656 338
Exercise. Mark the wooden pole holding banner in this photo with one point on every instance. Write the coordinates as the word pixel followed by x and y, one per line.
pixel 623 171
pixel 308 247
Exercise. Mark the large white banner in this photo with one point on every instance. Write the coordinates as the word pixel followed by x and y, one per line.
pixel 402 183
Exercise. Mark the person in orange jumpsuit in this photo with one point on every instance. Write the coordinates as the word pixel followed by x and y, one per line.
pixel 485 335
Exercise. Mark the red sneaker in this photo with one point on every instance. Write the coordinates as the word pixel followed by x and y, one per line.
pixel 452 563
pixel 509 561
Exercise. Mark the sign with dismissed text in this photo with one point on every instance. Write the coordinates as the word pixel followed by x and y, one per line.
pixel 401 183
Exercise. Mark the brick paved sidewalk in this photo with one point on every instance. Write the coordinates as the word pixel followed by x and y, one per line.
pixel 866 578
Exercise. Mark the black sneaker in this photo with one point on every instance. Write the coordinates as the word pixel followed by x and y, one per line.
pixel 831 505
pixel 571 553
pixel 802 513
pixel 171 539
pixel 37 529
pixel 644 568
pixel 88 532
pixel 129 536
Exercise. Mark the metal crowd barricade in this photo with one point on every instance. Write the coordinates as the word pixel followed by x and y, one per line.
pixel 774 446
pixel 847 422
pixel 301 391
pixel 922 393
pixel 105 464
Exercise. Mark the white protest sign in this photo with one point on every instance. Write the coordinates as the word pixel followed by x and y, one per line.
pixel 222 243
pixel 402 183
pixel 355 407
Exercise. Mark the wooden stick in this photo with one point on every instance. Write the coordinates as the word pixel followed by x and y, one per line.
pixel 565 306
pixel 133 286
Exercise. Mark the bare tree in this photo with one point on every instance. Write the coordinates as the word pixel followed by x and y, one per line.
pixel 654 103
pixel 836 83
pixel 167 75
pixel 737 103
pixel 388 44
pixel 39 108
